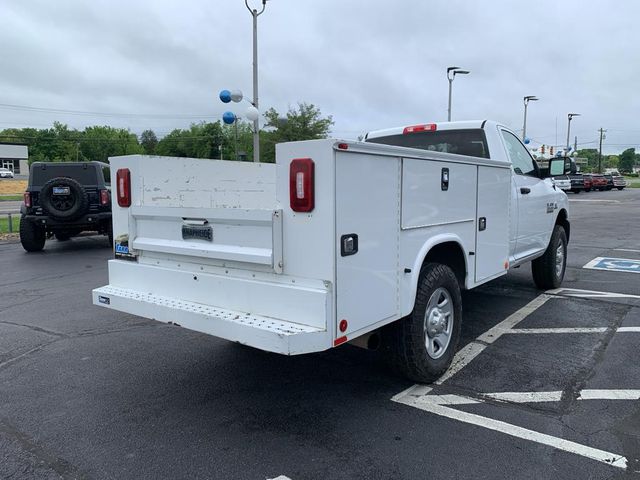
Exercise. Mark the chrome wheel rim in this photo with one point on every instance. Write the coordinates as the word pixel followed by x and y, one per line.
pixel 438 323
pixel 559 260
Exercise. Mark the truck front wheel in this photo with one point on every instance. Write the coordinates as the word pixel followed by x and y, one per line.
pixel 548 270
pixel 423 344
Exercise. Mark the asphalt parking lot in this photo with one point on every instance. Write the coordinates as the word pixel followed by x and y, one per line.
pixel 545 385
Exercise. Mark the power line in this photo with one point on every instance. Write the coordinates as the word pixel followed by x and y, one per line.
pixel 59 111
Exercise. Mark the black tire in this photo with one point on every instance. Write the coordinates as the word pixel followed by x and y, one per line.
pixel 545 269
pixel 64 207
pixel 32 235
pixel 576 191
pixel 62 236
pixel 110 235
pixel 408 337
pixel 619 188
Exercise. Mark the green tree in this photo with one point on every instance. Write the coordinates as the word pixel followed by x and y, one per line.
pixel 304 123
pixel 201 140
pixel 242 142
pixel 591 154
pixel 627 159
pixel 612 161
pixel 101 142
pixel 149 141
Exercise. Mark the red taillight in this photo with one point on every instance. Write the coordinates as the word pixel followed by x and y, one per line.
pixel 104 197
pixel 123 182
pixel 27 199
pixel 301 185
pixel 429 127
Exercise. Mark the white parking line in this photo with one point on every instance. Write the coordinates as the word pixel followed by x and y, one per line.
pixel 626 250
pixel 595 201
pixel 515 397
pixel 419 396
pixel 535 331
pixel 575 292
pixel 515 431
pixel 475 348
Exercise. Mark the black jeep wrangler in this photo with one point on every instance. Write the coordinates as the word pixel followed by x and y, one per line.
pixel 64 199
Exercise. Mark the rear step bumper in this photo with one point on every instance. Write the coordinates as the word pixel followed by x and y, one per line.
pixel 257 331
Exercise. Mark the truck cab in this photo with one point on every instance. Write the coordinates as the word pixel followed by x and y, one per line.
pixel 535 202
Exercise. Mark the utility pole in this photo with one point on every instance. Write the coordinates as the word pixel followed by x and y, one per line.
pixel 602 137
pixel 256 123
pixel 575 144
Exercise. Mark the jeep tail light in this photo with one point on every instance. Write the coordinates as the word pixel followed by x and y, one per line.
pixel 27 199
pixel 429 127
pixel 123 182
pixel 301 185
pixel 104 197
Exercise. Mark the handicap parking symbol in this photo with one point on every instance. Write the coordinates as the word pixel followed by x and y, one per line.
pixel 614 264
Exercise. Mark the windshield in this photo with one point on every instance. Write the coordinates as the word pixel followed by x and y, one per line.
pixel 469 142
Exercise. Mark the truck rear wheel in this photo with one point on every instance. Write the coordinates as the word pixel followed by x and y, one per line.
pixel 423 344
pixel 548 270
pixel 32 235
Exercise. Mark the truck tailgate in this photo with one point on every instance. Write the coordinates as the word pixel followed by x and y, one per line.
pixel 209 210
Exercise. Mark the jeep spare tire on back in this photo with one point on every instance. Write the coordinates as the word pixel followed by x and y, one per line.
pixel 64 198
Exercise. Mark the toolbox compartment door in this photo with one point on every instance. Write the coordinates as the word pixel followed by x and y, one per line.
pixel 492 222
pixel 367 206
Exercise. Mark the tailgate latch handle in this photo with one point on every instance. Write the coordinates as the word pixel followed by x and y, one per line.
pixel 195 221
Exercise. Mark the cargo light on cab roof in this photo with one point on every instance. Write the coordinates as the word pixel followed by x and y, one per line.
pixel 427 127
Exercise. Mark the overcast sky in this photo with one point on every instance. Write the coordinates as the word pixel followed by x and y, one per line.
pixel 370 64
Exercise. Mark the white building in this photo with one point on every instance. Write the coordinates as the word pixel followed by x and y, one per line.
pixel 15 158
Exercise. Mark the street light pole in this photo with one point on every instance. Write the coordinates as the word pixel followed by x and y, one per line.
pixel 256 123
pixel 527 99
pixel 570 116
pixel 451 74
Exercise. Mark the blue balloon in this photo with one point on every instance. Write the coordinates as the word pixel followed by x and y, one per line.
pixel 526 141
pixel 225 96
pixel 228 117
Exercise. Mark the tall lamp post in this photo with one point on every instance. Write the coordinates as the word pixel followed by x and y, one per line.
pixel 527 99
pixel 451 74
pixel 570 116
pixel 256 123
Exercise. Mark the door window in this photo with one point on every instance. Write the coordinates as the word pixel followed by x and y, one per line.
pixel 521 161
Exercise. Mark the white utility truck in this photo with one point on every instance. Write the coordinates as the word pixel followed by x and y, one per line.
pixel 336 240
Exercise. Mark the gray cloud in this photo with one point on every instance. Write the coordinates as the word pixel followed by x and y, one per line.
pixel 369 64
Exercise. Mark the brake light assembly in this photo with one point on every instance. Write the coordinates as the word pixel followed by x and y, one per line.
pixel 27 199
pixel 104 197
pixel 123 182
pixel 302 185
pixel 428 127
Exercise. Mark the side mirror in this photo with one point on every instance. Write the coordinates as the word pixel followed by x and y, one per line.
pixel 559 166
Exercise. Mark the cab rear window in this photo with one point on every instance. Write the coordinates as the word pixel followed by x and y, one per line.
pixel 469 142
